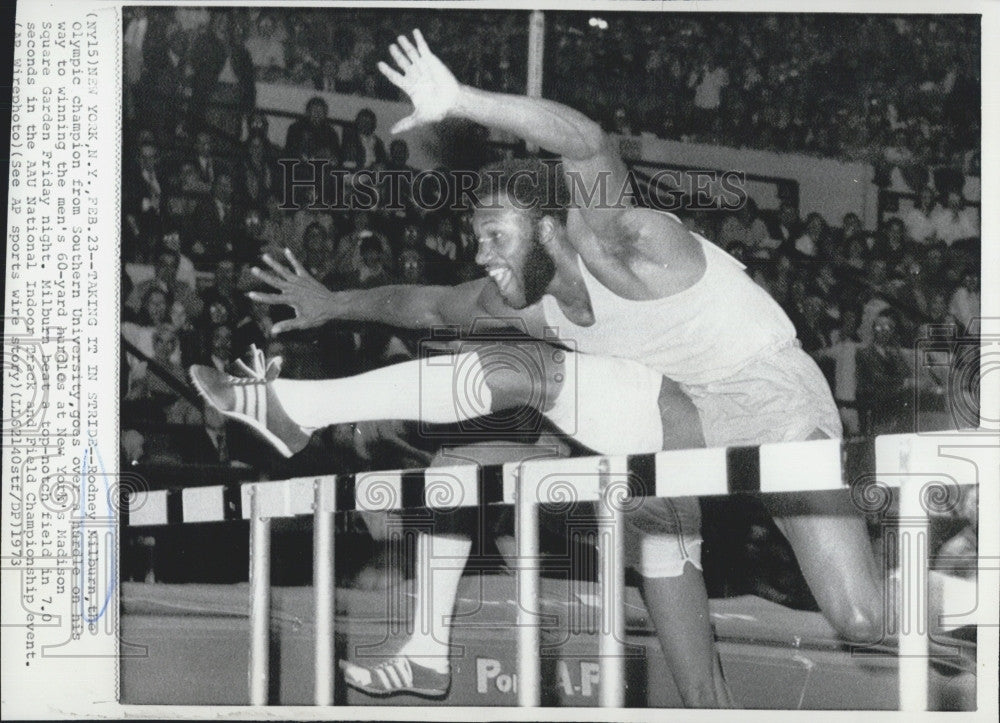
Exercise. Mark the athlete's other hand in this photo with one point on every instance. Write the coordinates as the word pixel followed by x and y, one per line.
pixel 431 86
pixel 311 301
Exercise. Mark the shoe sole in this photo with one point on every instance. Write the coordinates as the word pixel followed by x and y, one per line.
pixel 419 692
pixel 251 422
pixel 436 693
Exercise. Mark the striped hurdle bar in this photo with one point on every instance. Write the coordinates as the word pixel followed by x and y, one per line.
pixel 612 482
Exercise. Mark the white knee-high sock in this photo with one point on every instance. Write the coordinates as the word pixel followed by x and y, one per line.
pixel 439 565
pixel 440 390
pixel 608 404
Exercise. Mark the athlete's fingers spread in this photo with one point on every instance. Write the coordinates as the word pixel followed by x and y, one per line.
pixel 421 43
pixel 299 268
pixel 269 279
pixel 401 60
pixel 404 125
pixel 394 77
pixel 408 48
pixel 266 298
pixel 280 269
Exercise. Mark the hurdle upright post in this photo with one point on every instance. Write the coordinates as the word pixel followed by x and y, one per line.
pixel 260 601
pixel 611 554
pixel 324 590
pixel 529 668
pixel 912 557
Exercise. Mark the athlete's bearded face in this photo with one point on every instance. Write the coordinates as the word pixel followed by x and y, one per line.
pixel 511 252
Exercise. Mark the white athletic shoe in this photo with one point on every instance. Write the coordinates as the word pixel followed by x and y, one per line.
pixel 251 400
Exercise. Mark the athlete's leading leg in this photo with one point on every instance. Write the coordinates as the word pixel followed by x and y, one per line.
pixel 604 403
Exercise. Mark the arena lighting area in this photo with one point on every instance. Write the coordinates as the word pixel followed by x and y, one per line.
pixel 545 652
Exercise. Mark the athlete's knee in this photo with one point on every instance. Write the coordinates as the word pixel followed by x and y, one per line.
pixel 858 623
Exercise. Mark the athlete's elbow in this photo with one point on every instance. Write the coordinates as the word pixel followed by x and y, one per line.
pixel 593 142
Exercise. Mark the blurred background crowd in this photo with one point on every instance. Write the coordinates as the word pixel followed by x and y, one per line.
pixel 884 311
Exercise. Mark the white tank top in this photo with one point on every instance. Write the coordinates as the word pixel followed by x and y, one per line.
pixel 703 334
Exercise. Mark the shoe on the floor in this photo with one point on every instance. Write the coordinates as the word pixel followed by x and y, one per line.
pixel 250 399
pixel 394 676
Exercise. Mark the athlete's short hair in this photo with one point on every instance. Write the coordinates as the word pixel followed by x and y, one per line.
pixel 535 185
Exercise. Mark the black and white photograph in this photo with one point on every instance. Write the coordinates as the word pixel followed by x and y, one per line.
pixel 491 357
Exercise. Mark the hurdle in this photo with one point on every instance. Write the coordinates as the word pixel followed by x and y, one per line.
pixel 901 461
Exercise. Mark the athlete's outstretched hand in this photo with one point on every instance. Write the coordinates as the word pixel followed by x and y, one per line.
pixel 431 86
pixel 311 301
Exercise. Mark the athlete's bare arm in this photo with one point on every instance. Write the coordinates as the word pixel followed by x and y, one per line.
pixel 589 158
pixel 405 306
pixel 611 235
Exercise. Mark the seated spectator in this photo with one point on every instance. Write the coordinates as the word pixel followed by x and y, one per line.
pixel 813 240
pixel 165 279
pixel 153 389
pixel 856 252
pixel 347 260
pixel 258 180
pixel 812 323
pixel 185 190
pixel 266 43
pixel 399 193
pixel 258 235
pixel 362 148
pixel 254 329
pixel 787 227
pixel 919 221
pixel 171 240
pixel 411 267
pixel 218 312
pixel 317 251
pixel 141 195
pixel 205 164
pixel 216 224
pixel 223 78
pixel 164 89
pixel 708 82
pixel 964 303
pixel 905 169
pixel 842 353
pixel 313 132
pixel 327 79
pixel 309 212
pixel 885 374
pixel 873 303
pixel 746 228
pixel 374 267
pixel 154 312
pixel 187 335
pixel 891 245
pixel 223 286
pixel 850 228
pixel 954 221
pixel 219 351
